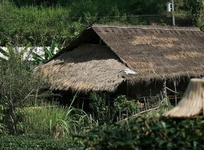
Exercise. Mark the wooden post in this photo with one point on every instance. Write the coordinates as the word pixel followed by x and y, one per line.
pixel 176 102
pixel 82 106
pixel 127 89
pixel 203 100
pixel 145 103
pixel 173 13
pixel 165 92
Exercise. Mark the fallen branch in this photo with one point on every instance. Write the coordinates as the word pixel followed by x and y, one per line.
pixel 142 112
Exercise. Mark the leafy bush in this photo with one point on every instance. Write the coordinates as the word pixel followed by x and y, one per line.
pixel 123 106
pixel 100 110
pixel 36 142
pixel 2 125
pixel 17 86
pixel 108 112
pixel 193 10
pixel 148 132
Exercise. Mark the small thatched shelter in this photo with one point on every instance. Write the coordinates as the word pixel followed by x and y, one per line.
pixel 192 103
pixel 104 57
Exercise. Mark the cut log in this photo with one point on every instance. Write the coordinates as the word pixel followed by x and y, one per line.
pixel 192 102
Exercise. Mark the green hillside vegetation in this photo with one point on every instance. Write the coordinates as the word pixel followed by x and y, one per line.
pixel 39 22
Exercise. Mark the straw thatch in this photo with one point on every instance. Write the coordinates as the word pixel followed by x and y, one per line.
pixel 88 67
pixel 192 102
pixel 152 52
pixel 157 52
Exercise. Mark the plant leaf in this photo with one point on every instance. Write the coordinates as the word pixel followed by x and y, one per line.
pixel 5 53
pixel 23 51
pixel 37 57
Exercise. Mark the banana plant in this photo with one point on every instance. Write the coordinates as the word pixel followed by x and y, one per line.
pixel 12 53
pixel 48 53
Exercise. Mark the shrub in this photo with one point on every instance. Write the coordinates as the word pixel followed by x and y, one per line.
pixel 148 132
pixel 108 112
pixel 17 86
pixel 2 126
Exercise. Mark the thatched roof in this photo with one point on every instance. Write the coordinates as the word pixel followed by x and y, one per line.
pixel 192 103
pixel 88 67
pixel 153 52
pixel 157 52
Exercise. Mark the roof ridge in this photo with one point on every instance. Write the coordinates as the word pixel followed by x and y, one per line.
pixel 150 27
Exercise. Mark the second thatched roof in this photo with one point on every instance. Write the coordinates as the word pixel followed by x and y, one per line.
pixel 192 103
pixel 99 58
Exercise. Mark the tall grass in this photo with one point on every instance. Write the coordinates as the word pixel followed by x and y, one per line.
pixel 55 120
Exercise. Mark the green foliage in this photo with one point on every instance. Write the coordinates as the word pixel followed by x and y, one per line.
pixel 43 119
pixel 40 120
pixel 2 126
pixel 122 104
pixel 19 97
pixel 194 10
pixel 37 142
pixel 35 25
pixel 55 120
pixel 148 132
pixel 17 84
pixel 48 53
pixel 99 107
pixel 47 3
pixel 39 22
pixel 13 53
pixel 105 112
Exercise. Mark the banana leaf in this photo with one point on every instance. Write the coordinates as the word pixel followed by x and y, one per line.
pixel 5 53
pixel 37 58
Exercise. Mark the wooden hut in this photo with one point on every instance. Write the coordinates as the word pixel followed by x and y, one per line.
pixel 129 59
